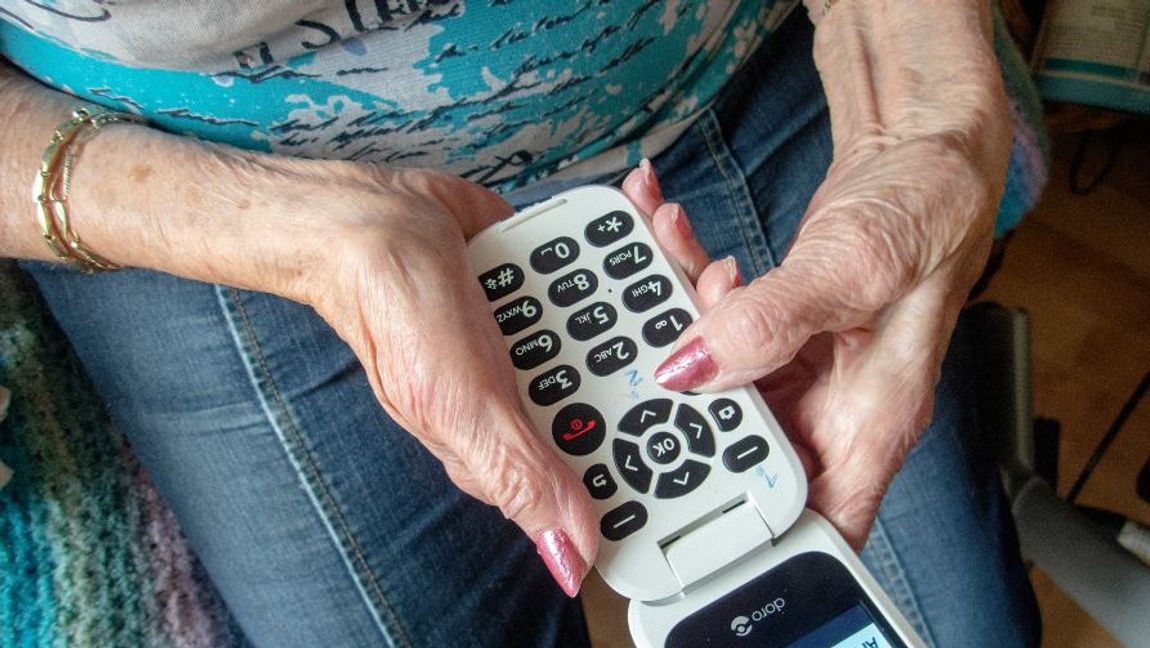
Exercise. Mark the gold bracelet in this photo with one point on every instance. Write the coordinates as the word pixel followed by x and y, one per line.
pixel 53 182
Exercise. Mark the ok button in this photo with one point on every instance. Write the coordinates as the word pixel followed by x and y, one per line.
pixel 663 447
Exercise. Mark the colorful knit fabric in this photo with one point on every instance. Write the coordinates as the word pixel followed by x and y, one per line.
pixel 89 554
pixel 1030 154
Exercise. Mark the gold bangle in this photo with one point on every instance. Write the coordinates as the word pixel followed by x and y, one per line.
pixel 53 182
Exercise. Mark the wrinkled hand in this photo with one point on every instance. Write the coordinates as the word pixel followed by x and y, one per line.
pixel 846 336
pixel 402 294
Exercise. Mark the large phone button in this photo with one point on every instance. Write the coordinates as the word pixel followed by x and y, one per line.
pixel 663 447
pixel 551 256
pixel 745 453
pixel 726 413
pixel 629 462
pixel 644 415
pixel 647 293
pixel 607 229
pixel 627 260
pixel 570 288
pixel 623 520
pixel 599 482
pixel 535 349
pixel 699 438
pixel 682 480
pixel 517 315
pixel 591 321
pixel 501 281
pixel 578 429
pixel 552 386
pixel 611 356
pixel 665 329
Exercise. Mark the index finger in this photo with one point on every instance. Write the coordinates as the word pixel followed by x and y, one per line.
pixel 757 329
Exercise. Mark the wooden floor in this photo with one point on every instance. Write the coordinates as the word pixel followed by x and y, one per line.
pixel 1080 266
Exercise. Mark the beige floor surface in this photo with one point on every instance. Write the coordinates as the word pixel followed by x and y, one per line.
pixel 1081 266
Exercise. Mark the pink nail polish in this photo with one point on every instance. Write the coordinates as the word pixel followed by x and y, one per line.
pixel 562 559
pixel 689 367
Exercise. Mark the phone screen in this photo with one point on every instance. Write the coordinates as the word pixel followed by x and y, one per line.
pixel 854 628
pixel 809 601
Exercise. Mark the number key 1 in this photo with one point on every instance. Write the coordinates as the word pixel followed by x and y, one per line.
pixel 665 329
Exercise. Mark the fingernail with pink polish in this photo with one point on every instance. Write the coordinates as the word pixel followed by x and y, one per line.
pixel 562 559
pixel 688 367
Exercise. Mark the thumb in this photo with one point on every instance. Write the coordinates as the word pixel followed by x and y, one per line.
pixel 473 206
pixel 515 470
pixel 759 328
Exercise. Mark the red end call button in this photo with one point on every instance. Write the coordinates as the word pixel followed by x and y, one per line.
pixel 578 429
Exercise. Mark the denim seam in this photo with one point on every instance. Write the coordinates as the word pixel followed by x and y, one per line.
pixel 754 236
pixel 287 430
pixel 898 587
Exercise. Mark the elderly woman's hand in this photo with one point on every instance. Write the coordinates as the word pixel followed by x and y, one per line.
pixel 380 254
pixel 847 335
pixel 400 292
pixel 397 286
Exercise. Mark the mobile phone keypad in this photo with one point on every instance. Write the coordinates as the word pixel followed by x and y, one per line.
pixel 662 447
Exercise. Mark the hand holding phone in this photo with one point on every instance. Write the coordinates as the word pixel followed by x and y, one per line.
pixel 692 490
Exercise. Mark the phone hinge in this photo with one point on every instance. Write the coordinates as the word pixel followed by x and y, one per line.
pixel 704 549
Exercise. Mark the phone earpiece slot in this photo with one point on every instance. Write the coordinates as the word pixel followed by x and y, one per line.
pixel 532 212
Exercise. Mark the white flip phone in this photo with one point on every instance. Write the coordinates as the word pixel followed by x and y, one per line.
pixel 700 496
pixel 807 590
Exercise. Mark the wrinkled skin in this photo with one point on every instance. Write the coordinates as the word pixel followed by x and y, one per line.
pixel 406 300
pixel 409 305
pixel 846 337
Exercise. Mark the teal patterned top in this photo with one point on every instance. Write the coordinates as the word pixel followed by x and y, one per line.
pixel 500 92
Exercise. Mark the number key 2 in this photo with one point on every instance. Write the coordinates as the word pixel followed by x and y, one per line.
pixel 611 356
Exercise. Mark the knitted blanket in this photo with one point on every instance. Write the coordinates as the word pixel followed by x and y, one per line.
pixel 89 554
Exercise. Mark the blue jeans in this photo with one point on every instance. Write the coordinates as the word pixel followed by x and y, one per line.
pixel 321 521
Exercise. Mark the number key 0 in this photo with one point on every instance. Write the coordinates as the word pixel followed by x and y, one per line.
pixel 549 257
